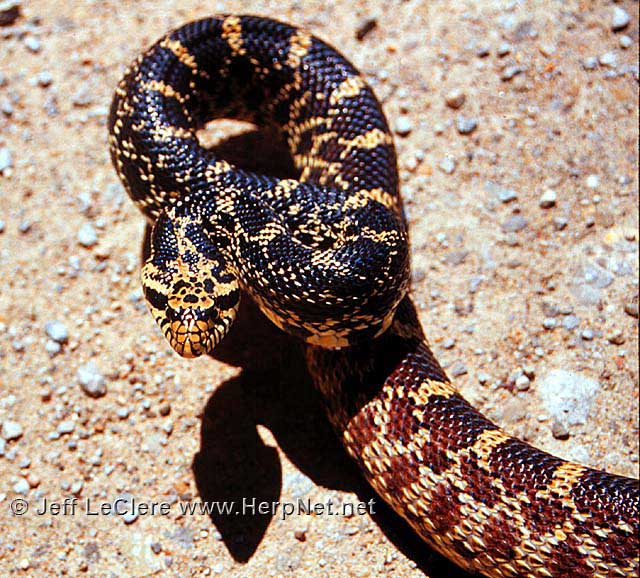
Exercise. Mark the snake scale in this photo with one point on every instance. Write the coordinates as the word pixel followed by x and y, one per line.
pixel 325 256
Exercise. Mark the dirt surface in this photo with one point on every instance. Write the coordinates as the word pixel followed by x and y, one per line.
pixel 511 285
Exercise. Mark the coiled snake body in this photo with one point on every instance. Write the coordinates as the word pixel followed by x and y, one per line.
pixel 326 258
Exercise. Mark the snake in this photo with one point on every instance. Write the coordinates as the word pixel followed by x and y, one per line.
pixel 326 258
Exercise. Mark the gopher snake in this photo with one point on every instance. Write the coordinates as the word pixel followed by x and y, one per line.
pixel 326 259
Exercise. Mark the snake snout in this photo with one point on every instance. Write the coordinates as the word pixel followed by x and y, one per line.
pixel 196 331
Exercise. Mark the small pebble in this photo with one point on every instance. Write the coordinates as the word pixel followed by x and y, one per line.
pixel 619 18
pixel 447 165
pixel 631 309
pixel 609 59
pixel 567 396
pixel 522 383
pixel 9 12
pixel 52 347
pixel 548 199
pixel 458 369
pixel 559 430
pixel 91 380
pixel 57 331
pixel 590 63
pixel 33 43
pixel 559 223
pixel 483 378
pixel 87 235
pixel 549 323
pixel 300 535
pixel 2 225
pixel 616 338
pixel 466 125
pixel 44 79
pixel 514 224
pixel 587 335
pixel 625 41
pixel 156 547
pixel 11 430
pixel 21 486
pixel 510 71
pixel 593 181
pixel 507 195
pixel 503 49
pixel 403 125
pixel 570 322
pixel 455 98
pixel 365 26
pixel 66 427
pixel 448 343
pixel 6 159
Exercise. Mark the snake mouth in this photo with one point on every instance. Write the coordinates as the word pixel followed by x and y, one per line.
pixel 195 332
pixel 191 338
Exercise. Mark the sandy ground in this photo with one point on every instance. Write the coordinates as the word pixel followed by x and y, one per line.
pixel 508 288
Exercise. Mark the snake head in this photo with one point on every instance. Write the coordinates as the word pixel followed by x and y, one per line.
pixel 194 315
pixel 191 292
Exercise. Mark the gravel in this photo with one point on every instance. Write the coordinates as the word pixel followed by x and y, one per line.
pixel 91 380
pixel 11 430
pixel 87 235
pixel 365 26
pixel 57 331
pixel 44 79
pixel 587 335
pixel 455 98
pixel 510 71
pixel 6 159
pixel 458 369
pixel 631 309
pixel 514 224
pixel 466 125
pixel 625 41
pixel 33 43
pixel 506 195
pixel 447 165
pixel 403 125
pixel 593 181
pixel 609 59
pixel 66 427
pixel 548 199
pixel 567 396
pixel 619 18
pixel 21 487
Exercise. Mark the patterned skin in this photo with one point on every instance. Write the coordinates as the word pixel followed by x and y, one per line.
pixel 326 258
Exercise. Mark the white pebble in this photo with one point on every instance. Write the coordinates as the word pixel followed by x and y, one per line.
pixel 609 59
pixel 6 159
pixel 625 41
pixel 403 125
pixel 21 487
pixel 57 331
pixel 33 43
pixel 87 235
pixel 455 98
pixel 11 430
pixel 548 199
pixel 91 380
pixel 447 165
pixel 619 18
pixel 593 181
pixel 66 427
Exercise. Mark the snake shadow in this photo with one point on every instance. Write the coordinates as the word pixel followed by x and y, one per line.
pixel 272 401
